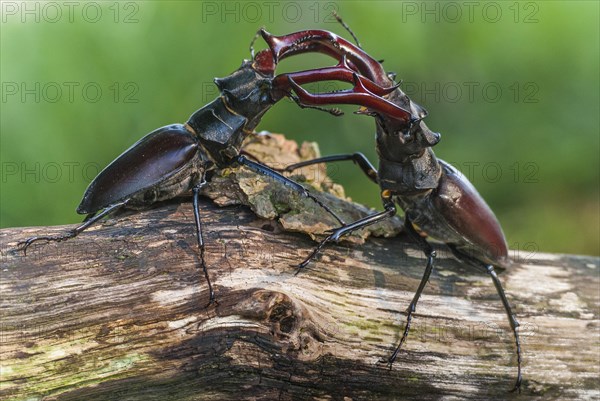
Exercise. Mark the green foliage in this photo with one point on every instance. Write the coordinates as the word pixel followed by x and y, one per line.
pixel 532 149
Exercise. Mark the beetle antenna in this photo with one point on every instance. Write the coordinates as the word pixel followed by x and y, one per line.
pixel 254 41
pixel 346 27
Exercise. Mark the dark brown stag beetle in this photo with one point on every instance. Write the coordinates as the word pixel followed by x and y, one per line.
pixel 177 158
pixel 433 194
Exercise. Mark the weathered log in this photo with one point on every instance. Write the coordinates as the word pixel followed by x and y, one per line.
pixel 119 313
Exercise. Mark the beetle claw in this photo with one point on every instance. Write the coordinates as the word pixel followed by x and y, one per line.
pixel 211 301
pixel 23 245
pixel 387 361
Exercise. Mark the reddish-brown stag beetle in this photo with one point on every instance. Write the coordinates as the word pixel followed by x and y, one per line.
pixel 177 158
pixel 432 193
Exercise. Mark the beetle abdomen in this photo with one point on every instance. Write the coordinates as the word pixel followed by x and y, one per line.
pixel 149 162
pixel 465 211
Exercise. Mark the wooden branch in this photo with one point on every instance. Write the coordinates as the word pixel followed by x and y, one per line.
pixel 119 313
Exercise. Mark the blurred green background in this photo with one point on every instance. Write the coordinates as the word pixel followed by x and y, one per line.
pixel 512 86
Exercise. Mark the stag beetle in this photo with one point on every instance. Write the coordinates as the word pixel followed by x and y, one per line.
pixel 434 195
pixel 177 158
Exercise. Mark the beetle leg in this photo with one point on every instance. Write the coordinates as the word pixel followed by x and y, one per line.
pixel 359 95
pixel 430 254
pixel 512 318
pixel 269 172
pixel 87 222
pixel 358 158
pixel 390 211
pixel 89 216
pixel 196 196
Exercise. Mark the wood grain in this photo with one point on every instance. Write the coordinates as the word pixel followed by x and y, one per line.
pixel 119 314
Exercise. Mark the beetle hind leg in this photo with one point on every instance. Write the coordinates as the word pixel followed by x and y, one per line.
pixel 89 220
pixel 512 319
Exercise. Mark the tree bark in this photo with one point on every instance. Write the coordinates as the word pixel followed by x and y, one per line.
pixel 119 313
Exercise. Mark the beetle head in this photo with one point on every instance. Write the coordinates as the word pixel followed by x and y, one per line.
pixel 398 140
pixel 246 92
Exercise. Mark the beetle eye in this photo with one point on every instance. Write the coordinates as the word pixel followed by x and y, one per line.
pixel 265 91
pixel 228 96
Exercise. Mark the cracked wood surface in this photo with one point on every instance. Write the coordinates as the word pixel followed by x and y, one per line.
pixel 119 312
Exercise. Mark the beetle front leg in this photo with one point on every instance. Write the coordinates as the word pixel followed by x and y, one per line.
pixel 358 158
pixel 390 211
pixel 87 222
pixel 269 172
